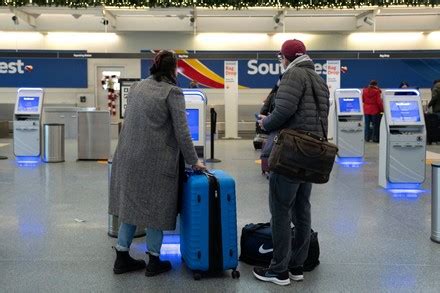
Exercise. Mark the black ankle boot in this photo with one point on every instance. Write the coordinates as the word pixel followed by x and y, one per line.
pixel 156 266
pixel 125 263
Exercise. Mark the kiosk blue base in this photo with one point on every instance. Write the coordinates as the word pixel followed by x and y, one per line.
pixel 353 162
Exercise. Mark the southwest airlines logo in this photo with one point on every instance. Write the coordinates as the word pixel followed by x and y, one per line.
pixel 255 68
pixel 12 67
pixel 193 69
pixel 264 68
pixel 253 73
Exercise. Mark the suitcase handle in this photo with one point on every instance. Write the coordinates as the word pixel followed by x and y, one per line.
pixel 190 172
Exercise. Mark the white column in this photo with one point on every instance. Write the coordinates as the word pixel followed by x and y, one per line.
pixel 231 99
pixel 333 83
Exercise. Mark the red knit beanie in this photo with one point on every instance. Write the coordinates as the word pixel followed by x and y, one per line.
pixel 291 49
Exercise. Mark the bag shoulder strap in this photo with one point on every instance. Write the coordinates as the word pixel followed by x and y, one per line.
pixel 318 108
pixel 258 226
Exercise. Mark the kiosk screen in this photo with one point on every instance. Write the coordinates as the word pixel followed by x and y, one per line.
pixel 28 105
pixel 349 105
pixel 192 116
pixel 405 111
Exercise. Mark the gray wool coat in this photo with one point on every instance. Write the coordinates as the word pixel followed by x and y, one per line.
pixel 144 180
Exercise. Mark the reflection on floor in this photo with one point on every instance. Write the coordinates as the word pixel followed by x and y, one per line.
pixel 372 240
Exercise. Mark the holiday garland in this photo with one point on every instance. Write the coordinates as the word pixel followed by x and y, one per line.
pixel 235 4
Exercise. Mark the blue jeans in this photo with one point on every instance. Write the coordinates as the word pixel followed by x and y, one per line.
pixel 126 233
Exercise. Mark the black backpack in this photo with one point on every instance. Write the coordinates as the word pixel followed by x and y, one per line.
pixel 256 246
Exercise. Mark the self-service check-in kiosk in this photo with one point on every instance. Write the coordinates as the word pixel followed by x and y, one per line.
pixel 349 125
pixel 27 122
pixel 196 103
pixel 402 146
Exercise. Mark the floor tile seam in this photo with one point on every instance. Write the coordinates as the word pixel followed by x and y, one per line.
pixel 72 260
pixel 382 264
pixel 94 260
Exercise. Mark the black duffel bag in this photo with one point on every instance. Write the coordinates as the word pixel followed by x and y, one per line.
pixel 257 247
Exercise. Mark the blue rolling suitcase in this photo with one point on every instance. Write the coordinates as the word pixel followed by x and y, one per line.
pixel 208 224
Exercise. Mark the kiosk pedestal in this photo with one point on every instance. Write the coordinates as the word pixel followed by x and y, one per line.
pixel 349 125
pixel 402 148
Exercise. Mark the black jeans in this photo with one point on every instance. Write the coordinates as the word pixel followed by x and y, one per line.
pixel 289 202
pixel 375 119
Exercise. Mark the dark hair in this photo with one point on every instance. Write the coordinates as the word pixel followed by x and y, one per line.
pixel 164 66
pixel 403 83
pixel 373 82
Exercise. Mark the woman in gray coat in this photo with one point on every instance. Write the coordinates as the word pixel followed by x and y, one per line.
pixel 145 173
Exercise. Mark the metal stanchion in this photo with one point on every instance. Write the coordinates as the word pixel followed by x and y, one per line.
pixel 213 131
pixel 435 203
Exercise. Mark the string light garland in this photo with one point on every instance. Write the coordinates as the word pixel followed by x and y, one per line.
pixel 227 4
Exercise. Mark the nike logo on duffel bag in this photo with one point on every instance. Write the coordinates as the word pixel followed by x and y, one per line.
pixel 264 251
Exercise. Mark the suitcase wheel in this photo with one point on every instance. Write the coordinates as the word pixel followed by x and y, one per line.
pixel 235 274
pixel 197 276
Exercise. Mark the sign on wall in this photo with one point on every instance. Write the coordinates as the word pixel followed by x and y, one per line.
pixel 231 99
pixel 43 72
pixel 252 73
pixel 354 73
pixel 333 76
pixel 125 84
pixel 333 70
pixel 419 73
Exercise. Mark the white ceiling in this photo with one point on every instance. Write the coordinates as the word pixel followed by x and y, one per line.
pixel 46 19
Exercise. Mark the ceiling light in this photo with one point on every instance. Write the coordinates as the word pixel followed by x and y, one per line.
pixel 232 37
pixel 21 36
pixel 282 37
pixel 434 36
pixel 385 37
pixel 73 37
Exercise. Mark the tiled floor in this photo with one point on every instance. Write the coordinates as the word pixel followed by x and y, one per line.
pixel 371 240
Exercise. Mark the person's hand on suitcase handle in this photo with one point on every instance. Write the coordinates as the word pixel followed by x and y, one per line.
pixel 199 166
